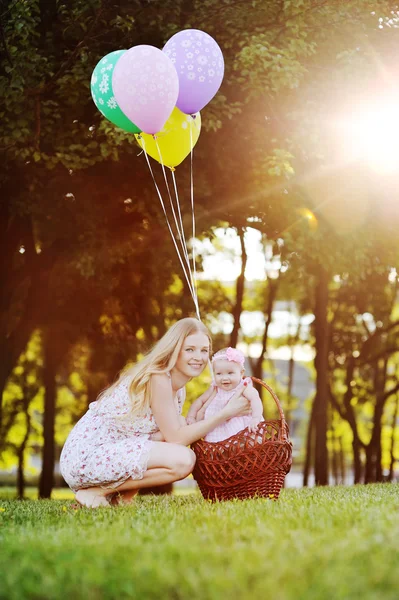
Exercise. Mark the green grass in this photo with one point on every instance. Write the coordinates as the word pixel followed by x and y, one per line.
pixel 326 544
pixel 31 493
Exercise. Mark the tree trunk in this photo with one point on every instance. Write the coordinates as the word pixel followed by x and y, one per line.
pixel 16 286
pixel 372 453
pixel 373 471
pixel 392 452
pixel 357 445
pixel 342 460
pixel 357 462
pixel 351 419
pixel 334 451
pixel 309 448
pixel 291 366
pixel 237 310
pixel 47 475
pixel 3 381
pixel 321 364
pixel 257 364
pixel 21 449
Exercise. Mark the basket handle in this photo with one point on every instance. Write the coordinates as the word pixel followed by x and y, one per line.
pixel 284 426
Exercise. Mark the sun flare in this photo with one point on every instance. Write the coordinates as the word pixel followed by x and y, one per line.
pixel 372 134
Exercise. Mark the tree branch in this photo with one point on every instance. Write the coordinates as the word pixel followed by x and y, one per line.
pixel 51 83
pixel 390 392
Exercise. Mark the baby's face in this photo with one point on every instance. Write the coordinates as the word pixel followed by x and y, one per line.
pixel 227 374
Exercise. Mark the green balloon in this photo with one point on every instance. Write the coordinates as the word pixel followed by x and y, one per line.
pixel 103 95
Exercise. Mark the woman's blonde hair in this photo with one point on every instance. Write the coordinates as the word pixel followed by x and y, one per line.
pixel 161 359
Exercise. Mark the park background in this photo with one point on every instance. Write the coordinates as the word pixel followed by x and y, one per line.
pixel 297 213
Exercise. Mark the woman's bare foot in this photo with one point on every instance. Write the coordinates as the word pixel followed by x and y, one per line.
pixel 91 497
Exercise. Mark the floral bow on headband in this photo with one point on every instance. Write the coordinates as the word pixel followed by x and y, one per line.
pixel 231 354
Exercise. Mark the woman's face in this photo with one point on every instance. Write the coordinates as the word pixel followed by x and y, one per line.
pixel 227 374
pixel 193 355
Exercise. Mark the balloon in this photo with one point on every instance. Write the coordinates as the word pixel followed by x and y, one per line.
pixel 174 141
pixel 200 66
pixel 146 86
pixel 103 95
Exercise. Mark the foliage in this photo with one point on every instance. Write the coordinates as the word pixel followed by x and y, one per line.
pixel 23 400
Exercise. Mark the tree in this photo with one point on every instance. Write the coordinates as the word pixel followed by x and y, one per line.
pixel 22 410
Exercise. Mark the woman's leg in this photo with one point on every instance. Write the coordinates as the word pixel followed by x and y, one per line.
pixel 167 463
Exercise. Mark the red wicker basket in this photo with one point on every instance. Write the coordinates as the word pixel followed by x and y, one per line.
pixel 246 464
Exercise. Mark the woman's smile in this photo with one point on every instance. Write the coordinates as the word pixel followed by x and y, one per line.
pixel 193 356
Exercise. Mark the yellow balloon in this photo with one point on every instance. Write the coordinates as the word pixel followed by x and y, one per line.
pixel 171 145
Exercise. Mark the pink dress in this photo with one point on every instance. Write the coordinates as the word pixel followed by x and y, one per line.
pixel 230 427
pixel 104 449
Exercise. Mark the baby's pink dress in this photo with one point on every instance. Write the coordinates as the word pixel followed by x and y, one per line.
pixel 230 427
pixel 104 449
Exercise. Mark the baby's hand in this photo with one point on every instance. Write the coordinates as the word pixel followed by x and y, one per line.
pixel 253 426
pixel 190 420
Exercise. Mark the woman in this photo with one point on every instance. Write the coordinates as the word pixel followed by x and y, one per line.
pixel 133 436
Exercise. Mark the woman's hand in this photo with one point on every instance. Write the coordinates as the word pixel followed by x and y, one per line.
pixel 238 405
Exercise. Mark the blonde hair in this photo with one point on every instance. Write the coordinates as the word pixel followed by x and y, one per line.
pixel 161 359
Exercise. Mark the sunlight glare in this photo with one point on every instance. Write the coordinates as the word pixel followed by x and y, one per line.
pixel 222 260
pixel 373 134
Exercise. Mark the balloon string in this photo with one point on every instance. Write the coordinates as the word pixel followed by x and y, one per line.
pixel 180 231
pixel 195 298
pixel 180 217
pixel 182 239
pixel 167 220
pixel 195 287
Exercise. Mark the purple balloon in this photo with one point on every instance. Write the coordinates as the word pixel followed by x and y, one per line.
pixel 200 67
pixel 146 87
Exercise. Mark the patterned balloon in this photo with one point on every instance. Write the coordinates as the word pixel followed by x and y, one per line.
pixel 176 140
pixel 200 67
pixel 103 95
pixel 146 87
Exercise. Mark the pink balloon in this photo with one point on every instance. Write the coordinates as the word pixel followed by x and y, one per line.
pixel 146 86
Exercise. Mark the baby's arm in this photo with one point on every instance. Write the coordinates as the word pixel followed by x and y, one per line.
pixel 201 413
pixel 196 413
pixel 256 407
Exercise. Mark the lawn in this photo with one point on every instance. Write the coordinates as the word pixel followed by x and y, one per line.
pixel 326 544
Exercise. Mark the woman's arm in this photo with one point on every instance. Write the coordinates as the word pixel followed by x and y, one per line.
pixel 199 403
pixel 168 422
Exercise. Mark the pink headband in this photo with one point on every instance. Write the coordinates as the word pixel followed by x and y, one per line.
pixel 231 354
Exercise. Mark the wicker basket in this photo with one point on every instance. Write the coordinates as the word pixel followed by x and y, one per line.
pixel 246 464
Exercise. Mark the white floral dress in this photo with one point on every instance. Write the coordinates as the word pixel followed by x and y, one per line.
pixel 104 449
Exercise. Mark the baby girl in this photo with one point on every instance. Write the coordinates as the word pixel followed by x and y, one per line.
pixel 228 367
